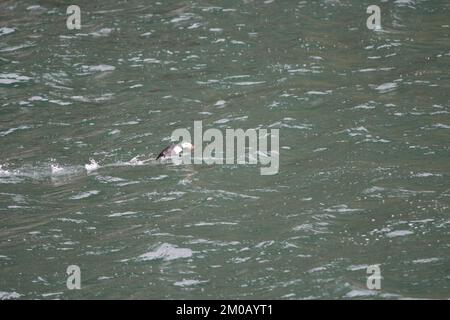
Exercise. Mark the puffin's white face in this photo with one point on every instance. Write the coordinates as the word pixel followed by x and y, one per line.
pixel 187 145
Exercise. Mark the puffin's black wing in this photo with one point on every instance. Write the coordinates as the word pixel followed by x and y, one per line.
pixel 166 152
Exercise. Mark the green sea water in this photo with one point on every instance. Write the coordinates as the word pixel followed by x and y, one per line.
pixel 364 127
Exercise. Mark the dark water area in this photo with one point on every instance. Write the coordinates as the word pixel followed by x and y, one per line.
pixel 363 117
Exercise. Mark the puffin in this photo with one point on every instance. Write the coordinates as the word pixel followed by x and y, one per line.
pixel 174 150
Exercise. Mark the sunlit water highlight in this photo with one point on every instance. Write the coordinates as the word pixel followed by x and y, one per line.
pixel 364 149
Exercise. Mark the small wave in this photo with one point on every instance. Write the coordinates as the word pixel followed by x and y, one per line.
pixel 220 103
pixel 398 233
pixel 83 195
pixel 248 83
pixel 342 208
pixel 98 68
pixel 36 7
pixel 426 175
pixel 56 169
pixel 11 130
pixel 18 47
pixel 104 32
pixel 121 214
pixel 132 162
pixel 51 294
pixel 201 224
pixel 441 126
pixel 10 78
pixel 229 195
pixel 166 252
pixel 357 267
pixel 4 172
pixel 91 166
pixel 427 260
pixel 9 295
pixel 386 87
pixel 319 93
pixel 189 282
pixel 405 3
pixel 368 105
pixel 360 293
pixel 77 221
pixel 6 30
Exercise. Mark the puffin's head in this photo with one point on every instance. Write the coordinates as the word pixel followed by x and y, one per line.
pixel 187 145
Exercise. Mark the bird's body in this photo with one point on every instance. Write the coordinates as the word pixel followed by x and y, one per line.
pixel 174 150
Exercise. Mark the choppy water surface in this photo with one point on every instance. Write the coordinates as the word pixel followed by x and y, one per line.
pixel 364 158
